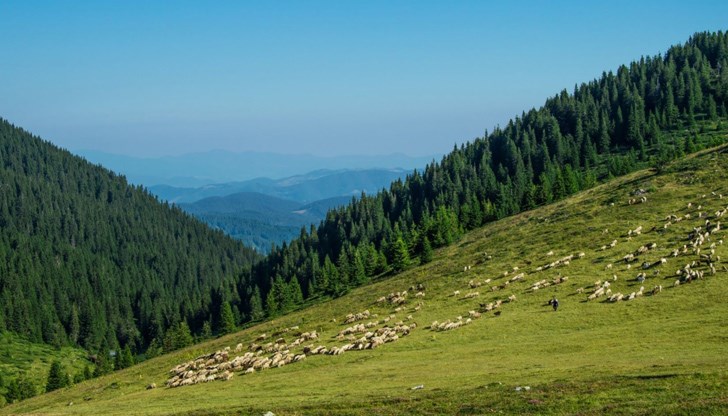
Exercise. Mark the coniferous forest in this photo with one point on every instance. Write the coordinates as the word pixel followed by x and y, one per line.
pixel 645 114
pixel 88 260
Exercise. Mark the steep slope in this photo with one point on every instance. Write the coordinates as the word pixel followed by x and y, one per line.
pixel 86 259
pixel 647 113
pixel 661 353
pixel 23 364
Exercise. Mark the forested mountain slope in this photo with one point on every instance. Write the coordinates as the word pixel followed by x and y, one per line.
pixel 475 331
pixel 90 260
pixel 261 221
pixel 646 113
pixel 86 259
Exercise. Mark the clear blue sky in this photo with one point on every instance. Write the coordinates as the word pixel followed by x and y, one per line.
pixel 320 77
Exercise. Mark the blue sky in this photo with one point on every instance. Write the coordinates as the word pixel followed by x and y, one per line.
pixel 327 78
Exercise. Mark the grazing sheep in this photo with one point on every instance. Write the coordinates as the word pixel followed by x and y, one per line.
pixel 516 278
pixel 616 297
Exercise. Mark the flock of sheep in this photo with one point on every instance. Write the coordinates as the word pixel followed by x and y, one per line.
pixel 696 239
pixel 376 332
pixel 275 354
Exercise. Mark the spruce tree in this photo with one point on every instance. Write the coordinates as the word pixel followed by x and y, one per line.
pixel 227 320
pixel 79 378
pixel 400 255
pixel 103 363
pixel 57 377
pixel 206 332
pixel 127 358
pixel 256 305
pixel 12 393
pixel 358 268
pixel 426 255
pixel 87 373
pixel 27 388
pixel 74 326
pixel 271 304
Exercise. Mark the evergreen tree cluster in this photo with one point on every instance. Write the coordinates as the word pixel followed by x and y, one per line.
pixel 87 259
pixel 606 127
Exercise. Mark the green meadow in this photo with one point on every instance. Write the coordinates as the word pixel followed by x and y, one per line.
pixel 662 353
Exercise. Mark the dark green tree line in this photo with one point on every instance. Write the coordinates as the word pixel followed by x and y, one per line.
pixel 604 128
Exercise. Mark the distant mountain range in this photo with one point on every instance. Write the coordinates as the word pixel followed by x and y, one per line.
pixel 263 211
pixel 309 187
pixel 260 220
pixel 198 169
pixel 260 198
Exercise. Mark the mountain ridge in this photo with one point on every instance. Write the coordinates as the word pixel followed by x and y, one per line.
pixel 518 357
pixel 261 220
pixel 223 166
pixel 305 188
pixel 647 114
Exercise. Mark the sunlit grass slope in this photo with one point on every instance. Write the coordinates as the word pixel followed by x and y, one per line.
pixel 33 360
pixel 665 353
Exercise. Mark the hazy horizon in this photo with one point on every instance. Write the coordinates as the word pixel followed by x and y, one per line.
pixel 321 78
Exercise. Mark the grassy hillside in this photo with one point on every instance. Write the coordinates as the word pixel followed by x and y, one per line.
pixel 31 360
pixel 657 354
